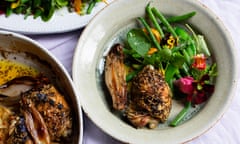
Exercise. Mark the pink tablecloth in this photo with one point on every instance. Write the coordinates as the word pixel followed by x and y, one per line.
pixel 226 131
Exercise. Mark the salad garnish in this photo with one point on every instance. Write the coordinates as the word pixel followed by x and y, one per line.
pixel 46 8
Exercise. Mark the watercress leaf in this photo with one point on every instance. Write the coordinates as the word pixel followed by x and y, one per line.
pixel 37 13
pixel 149 60
pixel 177 60
pixel 28 13
pixel 9 11
pixel 138 41
pixel 36 3
pixel 135 55
pixel 24 1
pixel 62 3
pixel 213 70
pixel 182 34
pixel 170 72
pixel 19 9
pixel 49 7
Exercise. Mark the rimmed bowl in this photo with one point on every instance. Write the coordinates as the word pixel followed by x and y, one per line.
pixel 108 27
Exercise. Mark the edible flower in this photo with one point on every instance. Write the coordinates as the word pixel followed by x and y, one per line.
pixel 203 90
pixel 15 4
pixel 199 62
pixel 171 42
pixel 152 51
pixel 77 4
pixel 196 92
pixel 155 33
pixel 185 85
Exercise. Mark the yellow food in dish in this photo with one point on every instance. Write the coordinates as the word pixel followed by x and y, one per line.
pixel 10 70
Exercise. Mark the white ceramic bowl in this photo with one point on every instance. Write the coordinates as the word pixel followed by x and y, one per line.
pixel 22 49
pixel 107 27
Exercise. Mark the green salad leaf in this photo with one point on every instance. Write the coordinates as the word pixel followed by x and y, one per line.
pixel 138 41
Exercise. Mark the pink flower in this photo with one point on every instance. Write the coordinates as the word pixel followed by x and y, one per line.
pixel 185 85
pixel 189 87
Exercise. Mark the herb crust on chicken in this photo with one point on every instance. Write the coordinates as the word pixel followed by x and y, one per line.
pixel 151 94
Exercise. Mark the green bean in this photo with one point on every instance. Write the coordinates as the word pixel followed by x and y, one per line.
pixel 185 69
pixel 131 75
pixel 203 46
pixel 180 18
pixel 191 49
pixel 187 56
pixel 195 42
pixel 153 19
pixel 181 115
pixel 142 20
pixel 91 6
pixel 183 35
pixel 164 21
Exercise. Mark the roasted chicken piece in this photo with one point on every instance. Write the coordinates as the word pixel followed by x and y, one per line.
pixel 39 114
pixel 140 118
pixel 49 108
pixel 151 96
pixel 34 122
pixel 5 117
pixel 18 133
pixel 115 77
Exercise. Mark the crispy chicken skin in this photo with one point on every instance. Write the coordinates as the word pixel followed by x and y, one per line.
pixel 18 133
pixel 150 95
pixel 115 77
pixel 53 108
pixel 146 100
pixel 37 115
pixel 45 117
pixel 140 118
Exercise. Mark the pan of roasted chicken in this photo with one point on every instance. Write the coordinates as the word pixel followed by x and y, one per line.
pixel 38 103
